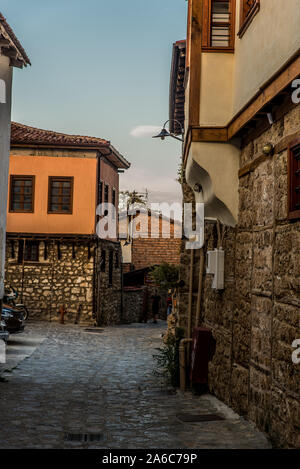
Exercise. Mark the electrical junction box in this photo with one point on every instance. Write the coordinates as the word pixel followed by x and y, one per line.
pixel 215 266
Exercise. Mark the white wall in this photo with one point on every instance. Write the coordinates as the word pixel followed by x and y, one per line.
pixel 5 117
pixel 271 39
pixel 230 81
pixel 216 89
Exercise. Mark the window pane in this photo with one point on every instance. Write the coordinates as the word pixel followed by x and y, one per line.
pixel 31 251
pixel 220 30
pixel 55 191
pixel 60 196
pixel 221 11
pixel 220 36
pixel 21 193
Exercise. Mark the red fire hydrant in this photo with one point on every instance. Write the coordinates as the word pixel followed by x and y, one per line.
pixel 62 313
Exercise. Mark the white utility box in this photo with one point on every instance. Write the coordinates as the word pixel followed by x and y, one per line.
pixel 215 266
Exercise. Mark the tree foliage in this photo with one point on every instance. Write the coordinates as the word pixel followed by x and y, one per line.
pixel 165 275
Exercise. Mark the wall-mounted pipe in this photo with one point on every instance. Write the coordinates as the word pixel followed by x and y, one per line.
pixel 189 328
pixel 187 340
pixel 182 363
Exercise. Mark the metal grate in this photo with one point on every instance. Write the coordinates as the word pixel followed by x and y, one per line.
pixel 200 418
pixel 84 437
pixel 159 392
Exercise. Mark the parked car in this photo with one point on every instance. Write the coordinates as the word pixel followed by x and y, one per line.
pixel 10 298
pixel 13 320
pixel 4 334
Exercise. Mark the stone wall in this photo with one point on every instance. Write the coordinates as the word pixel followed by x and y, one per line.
pixel 257 316
pixel 133 301
pixel 65 275
pixel 108 296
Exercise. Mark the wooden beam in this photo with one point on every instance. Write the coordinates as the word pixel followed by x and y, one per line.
pixel 209 134
pixel 196 7
pixel 16 63
pixel 204 134
pixel 4 41
pixel 187 146
pixel 265 96
pixel 281 146
pixel 250 167
pixel 9 52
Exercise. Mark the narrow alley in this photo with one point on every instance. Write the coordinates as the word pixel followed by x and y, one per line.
pixel 81 389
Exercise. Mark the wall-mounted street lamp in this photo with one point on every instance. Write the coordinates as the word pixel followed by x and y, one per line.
pixel 164 133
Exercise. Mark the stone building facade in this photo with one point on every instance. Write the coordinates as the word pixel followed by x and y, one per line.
pixel 133 304
pixel 256 318
pixel 56 256
pixel 235 91
pixel 75 274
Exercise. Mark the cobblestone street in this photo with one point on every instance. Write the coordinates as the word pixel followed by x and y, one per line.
pixel 78 382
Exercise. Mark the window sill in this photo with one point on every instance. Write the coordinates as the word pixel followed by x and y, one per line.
pixel 21 211
pixel 60 213
pixel 249 19
pixel 218 50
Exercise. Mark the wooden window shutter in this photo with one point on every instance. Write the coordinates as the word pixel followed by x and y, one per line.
pixel 218 25
pixel 249 8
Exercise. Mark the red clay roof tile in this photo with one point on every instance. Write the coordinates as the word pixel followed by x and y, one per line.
pixel 24 134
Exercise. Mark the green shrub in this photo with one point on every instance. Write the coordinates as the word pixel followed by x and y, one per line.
pixel 165 275
pixel 167 359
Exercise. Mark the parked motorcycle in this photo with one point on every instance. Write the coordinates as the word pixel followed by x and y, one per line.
pixel 13 320
pixel 10 298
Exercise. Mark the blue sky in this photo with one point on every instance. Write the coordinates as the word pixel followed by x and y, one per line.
pixel 102 68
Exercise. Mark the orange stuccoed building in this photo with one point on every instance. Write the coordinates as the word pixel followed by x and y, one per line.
pixel 54 257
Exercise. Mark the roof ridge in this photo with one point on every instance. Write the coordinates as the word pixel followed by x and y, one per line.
pixel 54 132
pixel 22 134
